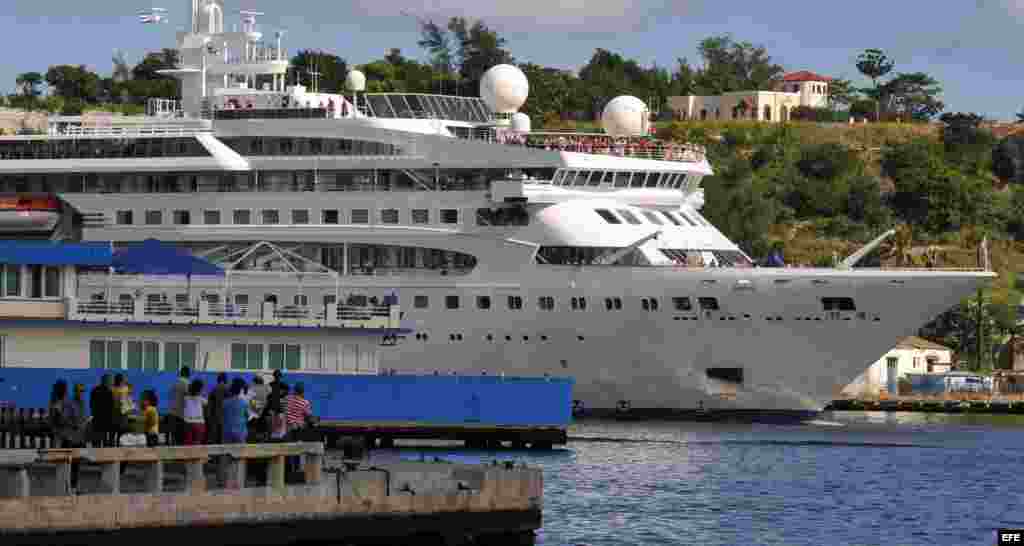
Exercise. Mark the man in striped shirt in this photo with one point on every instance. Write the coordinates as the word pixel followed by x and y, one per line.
pixel 297 408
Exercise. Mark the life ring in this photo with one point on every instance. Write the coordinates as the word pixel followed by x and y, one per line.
pixel 623 406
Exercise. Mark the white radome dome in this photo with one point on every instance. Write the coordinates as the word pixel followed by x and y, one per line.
pixel 355 81
pixel 521 123
pixel 504 89
pixel 625 116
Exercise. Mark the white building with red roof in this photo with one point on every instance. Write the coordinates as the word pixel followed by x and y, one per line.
pixel 802 88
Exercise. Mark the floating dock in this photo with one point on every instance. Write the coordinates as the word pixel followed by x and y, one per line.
pixel 992 407
pixel 243 494
pixel 374 410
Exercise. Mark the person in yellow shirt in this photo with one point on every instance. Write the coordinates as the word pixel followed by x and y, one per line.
pixel 150 418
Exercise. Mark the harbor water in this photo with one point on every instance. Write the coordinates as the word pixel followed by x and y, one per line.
pixel 848 479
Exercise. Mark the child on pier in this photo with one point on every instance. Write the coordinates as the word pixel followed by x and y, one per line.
pixel 150 418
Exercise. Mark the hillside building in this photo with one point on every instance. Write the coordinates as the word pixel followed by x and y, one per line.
pixel 912 355
pixel 801 88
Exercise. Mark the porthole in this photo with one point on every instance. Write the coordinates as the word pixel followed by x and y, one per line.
pixel 579 338
pixel 543 338
pixel 526 338
pixel 508 338
pixel 490 337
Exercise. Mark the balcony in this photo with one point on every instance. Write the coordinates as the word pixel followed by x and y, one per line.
pixel 227 314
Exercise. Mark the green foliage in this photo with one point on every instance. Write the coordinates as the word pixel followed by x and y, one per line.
pixel 911 97
pixel 1008 159
pixel 73 82
pixel 332 68
pixel 734 66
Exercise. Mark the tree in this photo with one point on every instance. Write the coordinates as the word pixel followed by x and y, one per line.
pixel 735 66
pixel 966 143
pixel 912 96
pixel 73 82
pixel 332 68
pixel 1008 159
pixel 28 84
pixel 482 50
pixel 874 64
pixel 550 91
pixel 437 41
pixel 841 93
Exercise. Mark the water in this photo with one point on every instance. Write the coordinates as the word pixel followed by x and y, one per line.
pixel 850 479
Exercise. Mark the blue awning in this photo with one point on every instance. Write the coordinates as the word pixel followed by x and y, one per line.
pixel 55 253
pixel 155 258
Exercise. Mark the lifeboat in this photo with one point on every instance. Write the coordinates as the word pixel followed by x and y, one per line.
pixel 29 213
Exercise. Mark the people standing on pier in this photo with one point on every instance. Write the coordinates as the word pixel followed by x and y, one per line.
pixel 215 410
pixel 177 414
pixel 298 409
pixel 257 403
pixel 121 408
pixel 278 418
pixel 66 418
pixel 194 413
pixel 150 418
pixel 101 404
pixel 236 414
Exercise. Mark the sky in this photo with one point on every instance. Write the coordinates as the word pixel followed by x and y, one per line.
pixel 972 47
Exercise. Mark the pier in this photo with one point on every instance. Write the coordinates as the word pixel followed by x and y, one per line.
pixel 993 407
pixel 244 494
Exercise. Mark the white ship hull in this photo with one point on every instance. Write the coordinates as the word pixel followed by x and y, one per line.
pixel 651 360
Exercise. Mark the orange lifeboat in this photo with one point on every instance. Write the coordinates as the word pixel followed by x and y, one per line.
pixel 29 213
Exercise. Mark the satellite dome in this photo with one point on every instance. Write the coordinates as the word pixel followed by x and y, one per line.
pixel 355 81
pixel 504 89
pixel 520 122
pixel 625 116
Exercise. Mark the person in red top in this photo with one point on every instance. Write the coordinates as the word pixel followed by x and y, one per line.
pixel 297 408
pixel 297 411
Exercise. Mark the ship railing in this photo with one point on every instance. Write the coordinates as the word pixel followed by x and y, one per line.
pixel 556 142
pixel 330 315
pixel 131 130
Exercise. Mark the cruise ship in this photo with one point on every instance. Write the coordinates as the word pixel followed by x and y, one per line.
pixel 509 251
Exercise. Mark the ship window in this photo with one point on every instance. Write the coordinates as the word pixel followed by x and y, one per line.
pixel 360 216
pixel 270 217
pixel 621 180
pixel 629 217
pixel 242 217
pixel 595 178
pixel 708 304
pixel 613 304
pixel 420 216
pixel 449 216
pixel 682 303
pixel 636 180
pixel 671 218
pixel 211 217
pixel 557 178
pixel 581 180
pixel 300 216
pixel 330 216
pixel 729 375
pixel 301 300
pixel 451 302
pixel 11 280
pixel 546 303
pixel 608 216
pixel 483 302
pixel 653 218
pixel 686 217
pixel 154 217
pixel 651 180
pixel 389 216
pixel 579 304
pixel 420 302
pixel 515 302
pixel 124 218
pixel 182 218
pixel 649 304
pixel 838 304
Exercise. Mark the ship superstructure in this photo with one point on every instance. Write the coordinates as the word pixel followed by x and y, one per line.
pixel 510 251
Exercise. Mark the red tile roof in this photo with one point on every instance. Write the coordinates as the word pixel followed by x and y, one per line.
pixel 805 76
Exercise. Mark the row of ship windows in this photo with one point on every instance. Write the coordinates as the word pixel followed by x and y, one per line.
pixel 457 337
pixel 657 218
pixel 625 179
pixel 297 216
pixel 579 303
pixel 146 354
